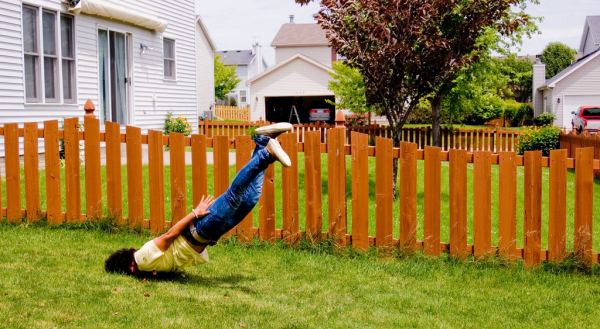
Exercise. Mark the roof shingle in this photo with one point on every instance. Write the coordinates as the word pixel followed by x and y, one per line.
pixel 291 34
pixel 236 57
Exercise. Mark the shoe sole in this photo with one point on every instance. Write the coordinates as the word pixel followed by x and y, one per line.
pixel 279 154
pixel 274 128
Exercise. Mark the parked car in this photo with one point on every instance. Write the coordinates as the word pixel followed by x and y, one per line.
pixel 319 111
pixel 586 117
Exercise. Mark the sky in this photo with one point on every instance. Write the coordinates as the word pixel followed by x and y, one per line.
pixel 235 24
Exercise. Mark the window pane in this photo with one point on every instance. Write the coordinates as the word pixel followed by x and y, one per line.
pixel 48 24
pixel 103 71
pixel 67 79
pixel 66 36
pixel 49 77
pixel 168 48
pixel 169 68
pixel 31 70
pixel 29 29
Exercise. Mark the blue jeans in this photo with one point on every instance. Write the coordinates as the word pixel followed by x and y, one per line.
pixel 243 194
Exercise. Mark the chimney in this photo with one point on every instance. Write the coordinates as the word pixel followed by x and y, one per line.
pixel 539 79
pixel 291 19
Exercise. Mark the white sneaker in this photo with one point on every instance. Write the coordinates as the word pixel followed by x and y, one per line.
pixel 274 130
pixel 278 153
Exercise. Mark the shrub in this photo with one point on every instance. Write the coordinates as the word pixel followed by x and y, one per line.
pixel 232 102
pixel 421 114
pixel 543 119
pixel 357 119
pixel 176 125
pixel 491 108
pixel 518 114
pixel 543 139
pixel 252 132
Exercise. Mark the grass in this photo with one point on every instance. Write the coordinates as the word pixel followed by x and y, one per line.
pixel 445 230
pixel 54 277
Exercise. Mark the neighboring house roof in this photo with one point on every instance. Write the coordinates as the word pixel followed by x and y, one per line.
pixel 281 64
pixel 592 23
pixel 236 57
pixel 551 83
pixel 206 34
pixel 292 34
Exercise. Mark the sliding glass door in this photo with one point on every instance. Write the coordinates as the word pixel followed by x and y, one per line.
pixel 113 69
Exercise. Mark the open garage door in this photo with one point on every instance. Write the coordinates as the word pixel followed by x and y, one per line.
pixel 573 102
pixel 278 109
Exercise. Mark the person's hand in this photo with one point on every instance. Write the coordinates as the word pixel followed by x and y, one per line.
pixel 201 209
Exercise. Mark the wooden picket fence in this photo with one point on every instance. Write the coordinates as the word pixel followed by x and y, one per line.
pixel 336 149
pixel 494 140
pixel 232 113
pixel 571 141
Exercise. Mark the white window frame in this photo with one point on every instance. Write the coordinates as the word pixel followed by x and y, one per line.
pixel 40 85
pixel 244 97
pixel 72 59
pixel 174 60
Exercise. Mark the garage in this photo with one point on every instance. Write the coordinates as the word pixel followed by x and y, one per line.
pixel 308 108
pixel 573 102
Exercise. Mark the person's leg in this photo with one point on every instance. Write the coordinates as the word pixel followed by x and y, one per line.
pixel 243 194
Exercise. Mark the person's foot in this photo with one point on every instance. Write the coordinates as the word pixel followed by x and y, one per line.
pixel 274 130
pixel 277 153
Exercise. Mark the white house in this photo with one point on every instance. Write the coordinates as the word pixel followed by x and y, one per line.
pixel 300 78
pixel 136 60
pixel 248 63
pixel 575 86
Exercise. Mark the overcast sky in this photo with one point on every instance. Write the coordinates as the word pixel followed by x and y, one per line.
pixel 233 24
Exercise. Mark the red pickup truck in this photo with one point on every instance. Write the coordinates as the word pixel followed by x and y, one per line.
pixel 586 117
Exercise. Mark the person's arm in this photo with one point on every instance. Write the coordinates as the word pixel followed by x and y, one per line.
pixel 164 241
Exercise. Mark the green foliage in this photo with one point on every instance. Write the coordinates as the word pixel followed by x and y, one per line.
pixel 349 89
pixel 557 56
pixel 232 102
pixel 518 114
pixel 543 139
pixel 252 132
pixel 358 119
pixel 226 78
pixel 177 125
pixel 421 114
pixel 520 77
pixel 488 108
pixel 544 119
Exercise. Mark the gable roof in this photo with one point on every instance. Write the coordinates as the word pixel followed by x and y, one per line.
pixel 236 57
pixel 284 63
pixel 206 34
pixel 292 34
pixel 551 83
pixel 592 24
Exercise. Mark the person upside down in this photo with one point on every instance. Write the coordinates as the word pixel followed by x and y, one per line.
pixel 185 243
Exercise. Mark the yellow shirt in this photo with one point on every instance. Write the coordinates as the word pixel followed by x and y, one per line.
pixel 178 256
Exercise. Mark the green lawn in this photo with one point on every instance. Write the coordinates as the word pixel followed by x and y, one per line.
pixel 54 277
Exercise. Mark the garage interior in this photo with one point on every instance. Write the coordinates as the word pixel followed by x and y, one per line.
pixel 278 109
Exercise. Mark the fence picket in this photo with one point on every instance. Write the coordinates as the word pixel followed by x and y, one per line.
pixel 408 195
pixel 360 191
pixel 32 172
pixel 93 183
pixel 557 221
pixel 156 181
pixel 458 203
pixel 289 177
pixel 177 170
pixel 13 173
pixel 482 203
pixel 336 169
pixel 221 169
pixel 135 188
pixel 52 164
pixel 199 170
pixel 243 153
pixel 533 208
pixel 507 204
pixel 431 225
pixel 312 170
pixel 384 193
pixel 267 207
pixel 72 181
pixel 584 202
pixel 114 187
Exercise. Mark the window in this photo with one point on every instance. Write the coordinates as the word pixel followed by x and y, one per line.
pixel 169 56
pixel 50 56
pixel 32 55
pixel 68 58
pixel 242 96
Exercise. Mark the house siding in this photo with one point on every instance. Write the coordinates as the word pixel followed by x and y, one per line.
pixel 590 45
pixel 321 54
pixel 205 77
pixel 583 81
pixel 179 96
pixel 296 78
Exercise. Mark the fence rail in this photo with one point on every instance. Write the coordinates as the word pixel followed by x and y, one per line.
pixel 232 113
pixel 494 140
pixel 312 146
pixel 572 141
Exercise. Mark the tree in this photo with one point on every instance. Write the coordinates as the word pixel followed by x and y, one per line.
pixel 557 56
pixel 520 74
pixel 349 89
pixel 226 78
pixel 405 49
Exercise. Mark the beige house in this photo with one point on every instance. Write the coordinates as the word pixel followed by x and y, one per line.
pixel 299 80
pixel 577 85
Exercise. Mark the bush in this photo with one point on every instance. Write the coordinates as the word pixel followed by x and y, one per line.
pixel 543 119
pixel 421 114
pixel 252 132
pixel 176 125
pixel 492 108
pixel 543 139
pixel 518 114
pixel 358 119
pixel 232 102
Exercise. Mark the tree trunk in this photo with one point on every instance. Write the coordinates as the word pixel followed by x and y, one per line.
pixel 396 135
pixel 436 107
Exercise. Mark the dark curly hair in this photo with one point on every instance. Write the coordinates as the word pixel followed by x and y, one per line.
pixel 120 261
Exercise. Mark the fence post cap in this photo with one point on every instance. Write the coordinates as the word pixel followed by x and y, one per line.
pixel 89 108
pixel 340 119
